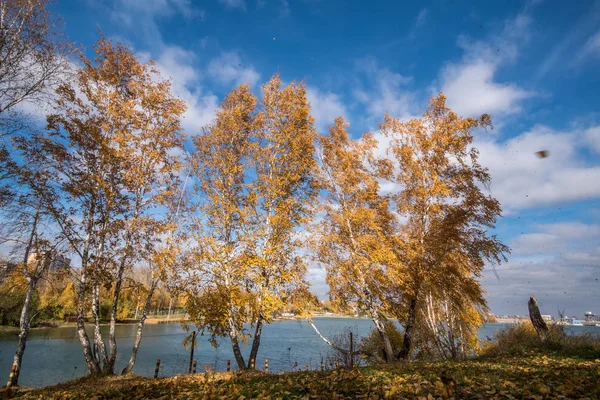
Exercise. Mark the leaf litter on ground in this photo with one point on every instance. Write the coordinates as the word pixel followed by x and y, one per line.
pixel 524 377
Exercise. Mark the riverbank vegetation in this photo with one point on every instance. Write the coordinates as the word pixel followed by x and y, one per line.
pixel 54 300
pixel 506 377
pixel 522 339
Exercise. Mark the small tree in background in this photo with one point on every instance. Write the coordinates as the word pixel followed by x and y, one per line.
pixel 40 252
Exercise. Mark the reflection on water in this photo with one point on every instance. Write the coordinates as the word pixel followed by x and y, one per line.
pixel 54 355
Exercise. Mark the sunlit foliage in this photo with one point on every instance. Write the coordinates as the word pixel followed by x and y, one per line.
pixel 255 168
pixel 443 244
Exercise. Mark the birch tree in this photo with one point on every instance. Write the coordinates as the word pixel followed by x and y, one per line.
pixel 34 54
pixel 285 186
pixel 34 61
pixel 218 277
pixel 37 260
pixel 444 243
pixel 39 252
pixel 255 169
pixel 31 237
pixel 111 150
pixel 352 239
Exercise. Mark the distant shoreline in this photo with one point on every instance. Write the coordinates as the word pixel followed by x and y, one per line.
pixel 509 320
pixel 524 319
pixel 295 317
pixel 4 329
pixel 176 320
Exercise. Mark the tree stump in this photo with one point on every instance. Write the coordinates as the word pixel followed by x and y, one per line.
pixel 536 318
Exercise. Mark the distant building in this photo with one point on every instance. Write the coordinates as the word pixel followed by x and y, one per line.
pixel 573 321
pixel 547 317
pixel 5 269
pixel 58 261
pixel 288 314
pixel 590 316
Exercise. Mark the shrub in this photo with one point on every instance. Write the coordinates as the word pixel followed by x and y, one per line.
pixel 105 310
pixel 372 344
pixel 13 291
pixel 344 359
pixel 522 339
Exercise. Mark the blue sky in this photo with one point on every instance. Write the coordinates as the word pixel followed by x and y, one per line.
pixel 532 65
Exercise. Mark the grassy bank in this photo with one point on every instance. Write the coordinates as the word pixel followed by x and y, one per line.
pixel 532 377
pixel 8 329
pixel 522 339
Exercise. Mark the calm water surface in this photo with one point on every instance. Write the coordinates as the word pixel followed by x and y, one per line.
pixel 54 355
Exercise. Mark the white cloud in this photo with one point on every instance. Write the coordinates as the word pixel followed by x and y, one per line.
pixel 228 69
pixel 418 23
pixel 471 90
pixel 558 263
pixel 565 53
pixel 384 92
pixel 158 8
pixel 572 230
pixel 234 4
pixel 591 47
pixel 592 136
pixel 520 179
pixel 593 44
pixel 555 281
pixel 535 243
pixel 500 48
pixel 553 239
pixel 325 107
pixel 141 16
pixel 589 258
pixel 200 111
pixel 284 9
pixel 470 84
pixel 523 180
pixel 177 64
pixel 421 17
pixel 39 107
pixel 316 276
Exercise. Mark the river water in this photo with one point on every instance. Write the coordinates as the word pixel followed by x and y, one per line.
pixel 54 355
